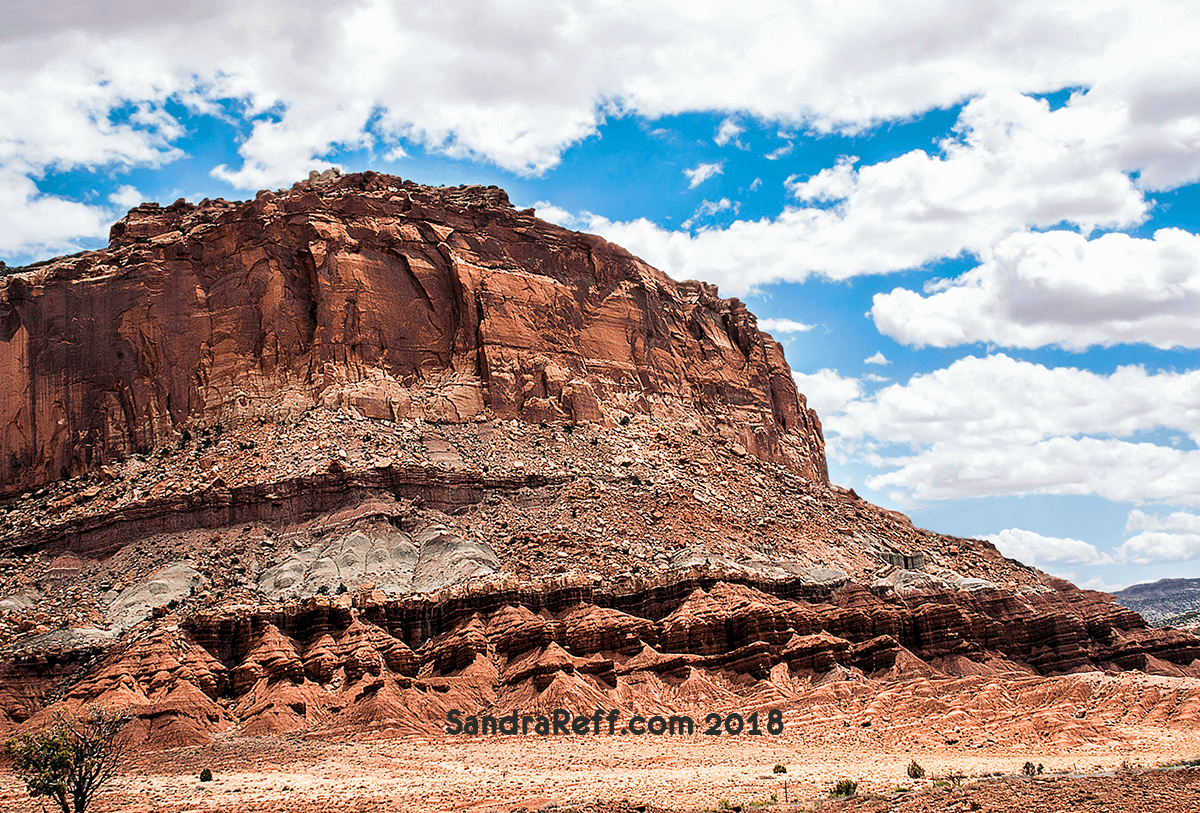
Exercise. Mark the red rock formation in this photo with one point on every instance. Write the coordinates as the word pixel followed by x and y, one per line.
pixel 302 667
pixel 465 560
pixel 396 299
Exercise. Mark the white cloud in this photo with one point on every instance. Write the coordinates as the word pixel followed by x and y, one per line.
pixel 126 197
pixel 1059 288
pixel 1034 548
pixel 826 391
pixel 1177 521
pixel 1014 164
pixel 517 83
pixel 1174 537
pixel 30 220
pixel 1158 546
pixel 1098 583
pixel 780 152
pixel 783 326
pixel 556 214
pixel 708 208
pixel 701 173
pixel 997 426
pixel 729 132
pixel 878 358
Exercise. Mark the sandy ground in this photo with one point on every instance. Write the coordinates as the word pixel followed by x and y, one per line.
pixel 504 774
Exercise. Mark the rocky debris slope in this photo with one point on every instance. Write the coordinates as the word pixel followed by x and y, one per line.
pixel 401 301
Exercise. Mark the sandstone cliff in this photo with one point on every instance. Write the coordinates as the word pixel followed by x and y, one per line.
pixel 399 300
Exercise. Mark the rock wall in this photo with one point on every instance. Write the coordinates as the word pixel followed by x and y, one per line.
pixel 399 300
pixel 331 665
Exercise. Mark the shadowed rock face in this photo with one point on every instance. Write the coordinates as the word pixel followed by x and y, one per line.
pixel 399 300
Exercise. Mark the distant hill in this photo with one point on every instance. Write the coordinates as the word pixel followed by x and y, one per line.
pixel 1166 602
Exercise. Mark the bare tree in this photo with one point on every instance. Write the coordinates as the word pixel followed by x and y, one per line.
pixel 73 757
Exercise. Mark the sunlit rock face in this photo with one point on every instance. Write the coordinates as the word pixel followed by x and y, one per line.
pixel 399 300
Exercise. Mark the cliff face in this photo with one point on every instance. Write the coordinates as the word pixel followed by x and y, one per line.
pixel 398 300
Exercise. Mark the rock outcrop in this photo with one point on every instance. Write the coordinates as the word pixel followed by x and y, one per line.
pixel 397 300
pixel 325 665
pixel 344 458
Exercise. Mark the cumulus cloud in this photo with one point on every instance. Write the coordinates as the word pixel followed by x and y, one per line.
pixel 126 197
pixel 1034 548
pixel 1059 288
pixel 516 84
pixel 1012 164
pixel 826 391
pixel 783 326
pixel 998 426
pixel 1098 583
pixel 1169 538
pixel 728 132
pixel 1177 521
pixel 556 214
pixel 1158 546
pixel 701 173
pixel 878 358
pixel 32 220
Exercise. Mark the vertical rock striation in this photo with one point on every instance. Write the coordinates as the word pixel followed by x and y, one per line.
pixel 396 299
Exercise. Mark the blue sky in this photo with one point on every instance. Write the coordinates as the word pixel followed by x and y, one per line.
pixel 973 227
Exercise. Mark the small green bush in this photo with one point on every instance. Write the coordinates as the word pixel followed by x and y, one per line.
pixel 206 775
pixel 1030 769
pixel 780 769
pixel 625 420
pixel 915 771
pixel 843 788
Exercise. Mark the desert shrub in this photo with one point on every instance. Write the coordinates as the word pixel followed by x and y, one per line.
pixel 915 771
pixel 625 420
pixel 779 769
pixel 1029 769
pixel 72 758
pixel 844 787
pixel 206 775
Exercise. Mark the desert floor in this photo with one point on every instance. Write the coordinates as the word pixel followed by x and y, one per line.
pixel 626 773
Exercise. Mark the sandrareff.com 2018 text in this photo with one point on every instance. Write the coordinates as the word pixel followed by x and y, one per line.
pixel 563 722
